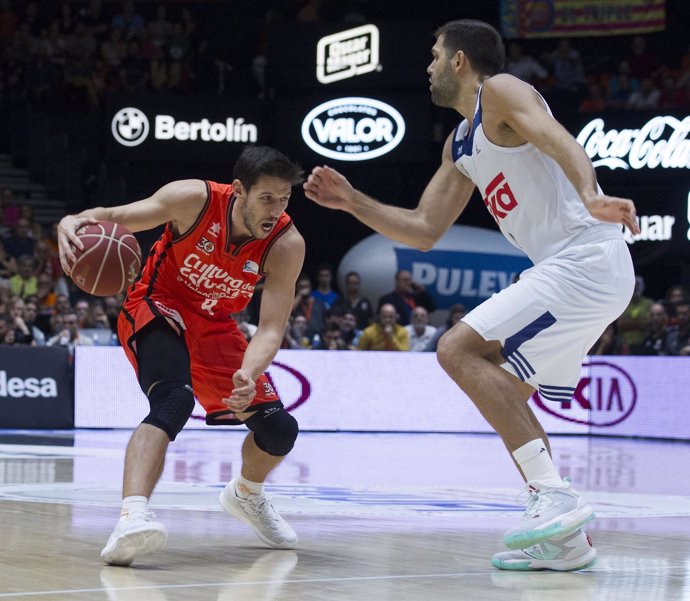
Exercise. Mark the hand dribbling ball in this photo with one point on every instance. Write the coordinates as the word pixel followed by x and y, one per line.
pixel 110 261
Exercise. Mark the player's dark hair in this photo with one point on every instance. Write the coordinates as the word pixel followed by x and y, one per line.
pixel 480 42
pixel 256 161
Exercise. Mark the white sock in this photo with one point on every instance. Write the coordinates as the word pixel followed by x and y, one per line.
pixel 134 504
pixel 536 464
pixel 244 487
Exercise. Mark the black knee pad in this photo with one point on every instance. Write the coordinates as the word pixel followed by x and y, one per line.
pixel 275 430
pixel 172 403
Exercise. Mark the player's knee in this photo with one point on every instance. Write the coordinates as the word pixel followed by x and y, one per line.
pixel 275 431
pixel 172 402
pixel 446 353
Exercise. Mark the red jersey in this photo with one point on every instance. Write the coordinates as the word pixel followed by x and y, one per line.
pixel 198 280
pixel 203 269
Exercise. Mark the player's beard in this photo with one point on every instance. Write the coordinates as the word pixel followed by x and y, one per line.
pixel 444 88
pixel 251 223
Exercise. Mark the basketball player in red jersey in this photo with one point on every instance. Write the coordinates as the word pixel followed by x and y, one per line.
pixel 175 327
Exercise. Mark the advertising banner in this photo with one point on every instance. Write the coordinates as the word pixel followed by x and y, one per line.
pixel 409 392
pixel 35 388
pixel 572 18
pixel 175 128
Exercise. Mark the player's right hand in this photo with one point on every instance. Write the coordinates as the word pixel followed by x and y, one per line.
pixel 68 240
pixel 328 188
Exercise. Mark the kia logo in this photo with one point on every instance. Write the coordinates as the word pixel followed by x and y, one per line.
pixel 353 129
pixel 130 126
pixel 604 398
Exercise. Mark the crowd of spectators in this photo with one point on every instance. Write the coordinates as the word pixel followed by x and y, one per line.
pixel 40 306
pixel 73 53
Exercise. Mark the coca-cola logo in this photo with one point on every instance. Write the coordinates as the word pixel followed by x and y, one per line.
pixel 604 397
pixel 661 142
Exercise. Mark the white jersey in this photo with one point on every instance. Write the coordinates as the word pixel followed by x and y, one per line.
pixel 527 193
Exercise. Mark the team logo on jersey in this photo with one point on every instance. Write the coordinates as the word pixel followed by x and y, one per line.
pixel 268 390
pixel 214 230
pixel 250 267
pixel 212 281
pixel 205 245
pixel 499 198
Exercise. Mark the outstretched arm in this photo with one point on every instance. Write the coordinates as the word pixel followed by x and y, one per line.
pixel 519 106
pixel 442 202
pixel 283 265
pixel 179 202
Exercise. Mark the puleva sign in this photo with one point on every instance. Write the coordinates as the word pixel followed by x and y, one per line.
pixel 467 265
pixel 353 129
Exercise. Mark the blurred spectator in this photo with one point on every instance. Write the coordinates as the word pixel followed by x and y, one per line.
pixel 644 64
pixel 419 331
pixel 242 320
pixel 6 329
pixel 657 333
pixel 69 335
pixel 134 70
pixel 35 229
pixel 19 243
pixel 386 334
pixel 112 310
pixel 305 304
pixel 45 292
pixel 455 314
pixel 406 296
pixel 24 283
pixel 620 87
pixel 4 228
pixel 10 211
pixel 30 316
pixel 114 49
pixel 633 323
pixel 22 332
pixel 568 74
pixel 352 300
pixel 160 27
pixel 8 264
pixel 594 101
pixel 324 291
pixel 674 295
pixel 349 330
pixel 83 311
pixel 66 20
pixel 523 66
pixel 32 19
pixel 671 97
pixel 646 98
pixel 296 334
pixel 128 21
pixel 610 342
pixel 93 18
pixel 332 339
pixel 98 317
pixel 678 341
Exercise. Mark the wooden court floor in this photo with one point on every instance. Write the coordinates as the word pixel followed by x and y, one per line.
pixel 380 517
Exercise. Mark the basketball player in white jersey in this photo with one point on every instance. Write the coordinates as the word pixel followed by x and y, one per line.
pixel 540 187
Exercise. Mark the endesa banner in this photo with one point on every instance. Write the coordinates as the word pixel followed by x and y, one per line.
pixel 409 392
pixel 175 128
pixel 35 388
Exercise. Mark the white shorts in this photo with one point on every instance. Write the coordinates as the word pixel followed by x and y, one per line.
pixel 549 320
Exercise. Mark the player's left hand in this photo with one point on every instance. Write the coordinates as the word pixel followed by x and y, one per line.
pixel 243 394
pixel 614 210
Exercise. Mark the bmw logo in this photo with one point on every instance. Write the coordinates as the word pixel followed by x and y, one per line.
pixel 130 126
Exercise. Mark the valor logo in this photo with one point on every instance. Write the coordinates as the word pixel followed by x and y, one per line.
pixel 130 126
pixel 347 54
pixel 353 129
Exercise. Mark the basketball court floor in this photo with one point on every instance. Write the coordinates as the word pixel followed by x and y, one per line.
pixel 380 517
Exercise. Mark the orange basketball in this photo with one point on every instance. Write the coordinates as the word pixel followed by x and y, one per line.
pixel 110 261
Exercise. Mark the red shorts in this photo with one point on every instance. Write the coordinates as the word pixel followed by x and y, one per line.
pixel 216 350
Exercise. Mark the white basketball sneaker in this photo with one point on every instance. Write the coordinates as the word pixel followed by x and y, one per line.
pixel 550 513
pixel 135 534
pixel 572 552
pixel 258 512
